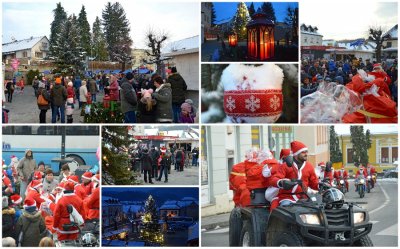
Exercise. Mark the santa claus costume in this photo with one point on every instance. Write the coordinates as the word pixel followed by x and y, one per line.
pixel 34 192
pixel 61 215
pixel 93 201
pixel 7 188
pixel 342 173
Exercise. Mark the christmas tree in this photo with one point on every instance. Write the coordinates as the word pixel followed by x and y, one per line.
pixel 151 229
pixel 240 21
pixel 116 167
pixel 99 114
pixel 99 42
pixel 84 31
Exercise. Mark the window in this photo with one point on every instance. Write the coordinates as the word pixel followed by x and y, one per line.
pixel 350 155
pixel 385 155
pixel 395 155
pixel 44 45
pixel 38 54
pixel 305 39
pixel 24 54
pixel 389 44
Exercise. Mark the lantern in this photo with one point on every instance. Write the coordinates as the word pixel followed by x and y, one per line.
pixel 232 40
pixel 106 102
pixel 260 37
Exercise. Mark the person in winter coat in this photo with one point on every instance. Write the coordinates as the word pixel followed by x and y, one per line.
pixel 10 90
pixel 164 164
pixel 147 107
pixel 43 108
pixel 195 156
pixel 147 162
pixel 128 99
pixel 155 155
pixel 83 92
pixel 26 166
pixel 179 87
pixel 290 192
pixel 49 183
pixel 186 115
pixel 58 96
pixel 30 228
pixel 93 88
pixel 35 84
pixel 77 86
pixel 114 88
pixel 179 159
pixel 8 218
pixel 70 102
pixel 93 201
pixel 163 95
pixel 61 215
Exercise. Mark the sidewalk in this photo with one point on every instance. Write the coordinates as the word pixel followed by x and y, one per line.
pixel 214 221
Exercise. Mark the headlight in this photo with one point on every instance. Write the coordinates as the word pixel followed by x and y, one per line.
pixel 369 177
pixel 311 219
pixel 362 181
pixel 358 217
pixel 341 182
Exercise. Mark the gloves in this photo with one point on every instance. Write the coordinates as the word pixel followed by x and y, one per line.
pixel 266 172
pixel 311 191
pixel 286 184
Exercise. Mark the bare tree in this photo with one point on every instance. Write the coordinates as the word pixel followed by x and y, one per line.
pixel 155 42
pixel 375 34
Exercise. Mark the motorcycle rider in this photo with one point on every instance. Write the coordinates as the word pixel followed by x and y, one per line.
pixel 290 192
pixel 371 172
pixel 342 173
pixel 361 171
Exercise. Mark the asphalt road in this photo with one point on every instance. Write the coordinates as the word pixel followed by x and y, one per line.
pixel 382 204
pixel 189 176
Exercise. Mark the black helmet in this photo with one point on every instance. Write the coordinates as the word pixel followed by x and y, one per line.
pixel 328 167
pixel 332 196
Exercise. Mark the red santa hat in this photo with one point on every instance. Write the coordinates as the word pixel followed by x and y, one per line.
pixel 96 178
pixel 16 199
pixel 74 179
pixel 37 175
pixel 377 66
pixel 61 186
pixel 163 149
pixel 284 153
pixel 36 184
pixel 87 175
pixel 28 203
pixel 297 147
pixel 69 186
pixel 321 164
pixel 342 166
pixel 361 167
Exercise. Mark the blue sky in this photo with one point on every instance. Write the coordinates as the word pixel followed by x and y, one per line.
pixel 25 19
pixel 225 10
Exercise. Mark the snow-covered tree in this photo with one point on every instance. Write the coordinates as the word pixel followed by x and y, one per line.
pixel 60 16
pixel 84 28
pixel 116 29
pixel 151 229
pixel 154 42
pixel 240 21
pixel 99 42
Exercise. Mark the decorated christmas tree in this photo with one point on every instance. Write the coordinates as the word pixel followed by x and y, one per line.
pixel 151 229
pixel 240 21
pixel 115 161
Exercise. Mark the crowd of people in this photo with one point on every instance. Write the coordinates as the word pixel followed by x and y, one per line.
pixel 40 210
pixel 314 72
pixel 142 99
pixel 157 162
pixel 261 170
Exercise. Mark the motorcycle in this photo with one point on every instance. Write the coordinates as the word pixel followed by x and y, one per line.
pixel 361 186
pixel 341 185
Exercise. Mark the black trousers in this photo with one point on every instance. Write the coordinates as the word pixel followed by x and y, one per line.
pixel 147 173
pixel 164 169
pixel 42 116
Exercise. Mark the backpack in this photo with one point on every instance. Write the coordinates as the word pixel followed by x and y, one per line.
pixel 41 100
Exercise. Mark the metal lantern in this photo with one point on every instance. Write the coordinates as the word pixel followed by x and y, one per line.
pixel 232 40
pixel 106 102
pixel 260 37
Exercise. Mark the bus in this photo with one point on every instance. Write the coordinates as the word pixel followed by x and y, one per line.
pixel 54 145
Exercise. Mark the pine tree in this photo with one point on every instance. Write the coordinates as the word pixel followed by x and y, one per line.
pixel 268 9
pixel 252 10
pixel 115 140
pixel 60 16
pixel 84 29
pixel 240 21
pixel 151 229
pixel 361 143
pixel 117 28
pixel 213 15
pixel 99 42
pixel 334 148
pixel 292 20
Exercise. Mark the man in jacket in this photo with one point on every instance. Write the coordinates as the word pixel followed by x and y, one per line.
pixel 58 96
pixel 128 99
pixel 163 96
pixel 342 173
pixel 179 87
pixel 155 155
pixel 147 162
pixel 290 192
pixel 25 168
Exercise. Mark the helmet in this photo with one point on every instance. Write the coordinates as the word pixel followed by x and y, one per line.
pixel 88 240
pixel 332 195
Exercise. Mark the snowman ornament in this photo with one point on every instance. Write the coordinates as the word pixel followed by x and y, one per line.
pixel 252 94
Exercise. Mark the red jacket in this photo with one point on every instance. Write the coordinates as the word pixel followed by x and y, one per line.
pixel 83 191
pixel 364 173
pixel 371 171
pixel 93 205
pixel 61 216
pixel 339 174
pixel 70 92
pixel 329 175
pixel 7 184
pixel 237 181
pixel 305 173
pixel 35 195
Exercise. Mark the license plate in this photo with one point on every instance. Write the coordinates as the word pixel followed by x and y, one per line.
pixel 340 236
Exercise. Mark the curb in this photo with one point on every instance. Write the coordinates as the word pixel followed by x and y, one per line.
pixel 212 226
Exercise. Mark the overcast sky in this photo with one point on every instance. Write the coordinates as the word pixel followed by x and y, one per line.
pixel 180 19
pixel 347 19
pixel 342 129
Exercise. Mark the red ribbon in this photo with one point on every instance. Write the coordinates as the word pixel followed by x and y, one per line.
pixel 253 103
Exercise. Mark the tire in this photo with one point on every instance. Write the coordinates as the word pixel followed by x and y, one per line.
pixel 364 242
pixel 369 187
pixel 247 235
pixel 288 239
pixel 361 191
pixel 235 227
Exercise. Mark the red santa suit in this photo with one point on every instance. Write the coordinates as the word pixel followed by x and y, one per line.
pixel 34 193
pixel 6 183
pixel 364 172
pixel 371 170
pixel 342 173
pixel 61 215
pixel 305 172
pixel 93 205
pixel 237 183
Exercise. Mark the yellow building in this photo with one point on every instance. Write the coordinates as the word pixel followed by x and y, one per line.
pixel 383 153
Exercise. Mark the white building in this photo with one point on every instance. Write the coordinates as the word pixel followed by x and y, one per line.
pixel 310 36
pixel 391 44
pixel 347 49
pixel 33 48
pixel 224 146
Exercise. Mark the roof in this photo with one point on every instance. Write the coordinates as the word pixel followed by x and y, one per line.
pixel 393 32
pixel 308 29
pixel 170 206
pixel 367 46
pixel 184 46
pixel 133 208
pixel 21 44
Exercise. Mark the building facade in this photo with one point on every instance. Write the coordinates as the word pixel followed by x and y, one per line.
pixel 390 45
pixel 33 48
pixel 224 146
pixel 206 9
pixel 310 36
pixel 111 210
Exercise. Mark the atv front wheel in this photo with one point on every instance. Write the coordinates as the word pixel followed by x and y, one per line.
pixel 364 242
pixel 247 235
pixel 288 239
pixel 235 227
